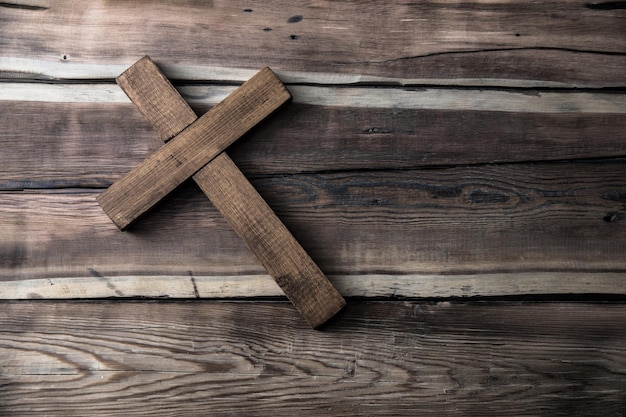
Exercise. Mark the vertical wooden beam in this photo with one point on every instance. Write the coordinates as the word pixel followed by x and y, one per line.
pixel 232 194
pixel 279 252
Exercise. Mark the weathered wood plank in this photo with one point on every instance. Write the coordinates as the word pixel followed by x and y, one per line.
pixel 406 286
pixel 506 219
pixel 255 359
pixel 478 42
pixel 86 144
pixel 436 98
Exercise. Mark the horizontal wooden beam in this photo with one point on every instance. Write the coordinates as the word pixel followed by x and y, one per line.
pixel 145 185
pixel 469 43
pixel 95 285
pixel 395 358
pixel 470 221
pixel 354 98
pixel 65 143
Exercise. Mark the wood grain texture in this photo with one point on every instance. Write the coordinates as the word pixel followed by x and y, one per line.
pixel 175 162
pixel 231 193
pixel 516 219
pixel 371 97
pixel 156 98
pixel 433 149
pixel 58 144
pixel 254 221
pixel 603 285
pixel 476 42
pixel 199 358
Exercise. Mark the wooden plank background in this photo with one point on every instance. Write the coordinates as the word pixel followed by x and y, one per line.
pixel 432 150
pixel 249 359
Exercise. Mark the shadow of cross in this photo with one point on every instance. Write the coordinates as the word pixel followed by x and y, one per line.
pixel 196 150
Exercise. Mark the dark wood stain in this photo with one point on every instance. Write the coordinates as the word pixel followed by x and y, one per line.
pixel 294 19
pixel 607 5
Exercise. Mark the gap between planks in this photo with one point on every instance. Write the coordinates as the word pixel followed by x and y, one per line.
pixel 359 97
pixel 370 286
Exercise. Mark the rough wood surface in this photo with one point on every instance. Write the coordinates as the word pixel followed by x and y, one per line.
pixel 603 285
pixel 287 262
pixel 569 42
pixel 102 141
pixel 396 359
pixel 175 162
pixel 432 149
pixel 156 98
pixel 231 193
pixel 515 219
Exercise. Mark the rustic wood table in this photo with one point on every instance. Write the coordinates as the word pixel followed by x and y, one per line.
pixel 456 169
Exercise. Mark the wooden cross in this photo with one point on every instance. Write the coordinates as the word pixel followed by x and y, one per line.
pixel 195 148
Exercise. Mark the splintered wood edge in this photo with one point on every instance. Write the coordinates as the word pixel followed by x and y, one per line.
pixel 302 281
pixel 168 167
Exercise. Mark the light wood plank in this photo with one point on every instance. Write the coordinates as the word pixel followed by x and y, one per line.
pixel 475 42
pixel 231 193
pixel 406 286
pixel 394 358
pixel 148 183
pixel 427 98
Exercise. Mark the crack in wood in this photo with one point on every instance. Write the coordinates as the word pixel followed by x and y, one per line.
pixel 21 6
pixel 489 50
